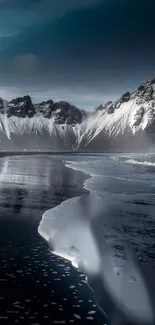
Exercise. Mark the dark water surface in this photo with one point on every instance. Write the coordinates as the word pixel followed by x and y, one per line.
pixel 37 287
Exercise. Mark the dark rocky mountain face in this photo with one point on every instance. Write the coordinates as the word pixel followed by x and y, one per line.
pixel 125 98
pixel 145 92
pixel 66 113
pixel 124 123
pixel 45 108
pixel 1 106
pixel 21 107
pixel 111 106
pixel 62 112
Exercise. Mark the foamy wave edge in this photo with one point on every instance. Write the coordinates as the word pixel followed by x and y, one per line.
pixel 141 163
pixel 90 176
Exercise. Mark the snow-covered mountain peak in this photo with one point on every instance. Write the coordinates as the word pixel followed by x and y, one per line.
pixel 127 118
pixel 21 107
pixel 61 112
pixel 145 92
pixel 125 123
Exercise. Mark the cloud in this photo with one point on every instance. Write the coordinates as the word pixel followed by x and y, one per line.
pixel 21 14
pixel 82 98
pixel 16 16
pixel 6 34
pixel 69 4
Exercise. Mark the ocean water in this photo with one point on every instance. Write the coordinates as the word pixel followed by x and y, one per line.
pixel 110 232
pixel 126 186
pixel 77 239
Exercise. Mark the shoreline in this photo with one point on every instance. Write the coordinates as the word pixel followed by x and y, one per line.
pixel 88 176
pixel 69 153
pixel 39 282
pixel 75 189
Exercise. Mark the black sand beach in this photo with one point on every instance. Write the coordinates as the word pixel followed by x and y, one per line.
pixel 37 287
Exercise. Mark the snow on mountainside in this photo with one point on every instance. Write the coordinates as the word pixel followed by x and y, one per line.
pixel 128 123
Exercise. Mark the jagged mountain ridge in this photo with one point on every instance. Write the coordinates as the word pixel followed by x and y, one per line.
pixel 125 124
pixel 23 107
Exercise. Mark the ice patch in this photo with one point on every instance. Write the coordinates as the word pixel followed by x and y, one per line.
pixel 92 312
pixel 77 316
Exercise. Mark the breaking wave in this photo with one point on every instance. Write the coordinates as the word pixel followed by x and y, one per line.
pixel 142 163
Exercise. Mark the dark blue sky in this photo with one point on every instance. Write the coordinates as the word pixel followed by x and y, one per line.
pixel 83 51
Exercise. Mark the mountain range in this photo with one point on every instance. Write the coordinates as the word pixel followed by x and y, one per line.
pixel 127 124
